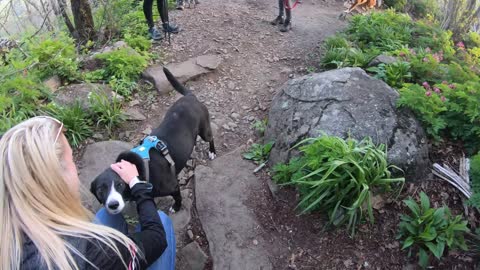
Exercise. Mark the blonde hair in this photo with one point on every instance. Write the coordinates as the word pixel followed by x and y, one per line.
pixel 36 200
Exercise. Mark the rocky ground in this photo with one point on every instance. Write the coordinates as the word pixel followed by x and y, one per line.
pixel 230 219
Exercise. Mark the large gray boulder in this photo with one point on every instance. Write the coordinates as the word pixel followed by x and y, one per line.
pixel 70 94
pixel 346 102
pixel 96 158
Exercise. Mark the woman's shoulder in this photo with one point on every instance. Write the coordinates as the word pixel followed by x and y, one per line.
pixel 93 250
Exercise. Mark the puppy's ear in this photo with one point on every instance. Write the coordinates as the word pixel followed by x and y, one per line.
pixel 136 160
pixel 93 190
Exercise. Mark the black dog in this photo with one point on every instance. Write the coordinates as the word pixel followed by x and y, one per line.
pixel 186 119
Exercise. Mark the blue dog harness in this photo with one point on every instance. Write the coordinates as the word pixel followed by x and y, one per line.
pixel 143 150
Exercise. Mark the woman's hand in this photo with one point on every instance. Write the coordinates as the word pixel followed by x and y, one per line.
pixel 126 170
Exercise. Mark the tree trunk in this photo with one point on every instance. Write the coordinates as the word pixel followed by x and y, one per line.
pixel 82 16
pixel 62 6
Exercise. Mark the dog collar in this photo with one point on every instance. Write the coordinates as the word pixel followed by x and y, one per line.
pixel 143 150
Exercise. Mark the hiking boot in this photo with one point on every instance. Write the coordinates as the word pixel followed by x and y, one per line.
pixel 170 28
pixel 286 26
pixel 278 20
pixel 180 7
pixel 155 34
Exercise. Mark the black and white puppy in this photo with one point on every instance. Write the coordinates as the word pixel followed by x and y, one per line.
pixel 183 122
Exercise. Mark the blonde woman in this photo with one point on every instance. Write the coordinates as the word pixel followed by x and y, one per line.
pixel 43 223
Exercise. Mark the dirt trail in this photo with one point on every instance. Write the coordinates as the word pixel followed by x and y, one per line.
pixel 257 58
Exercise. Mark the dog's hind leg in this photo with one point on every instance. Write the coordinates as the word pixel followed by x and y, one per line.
pixel 207 135
pixel 177 196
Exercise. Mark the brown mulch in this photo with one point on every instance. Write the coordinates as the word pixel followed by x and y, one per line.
pixel 313 245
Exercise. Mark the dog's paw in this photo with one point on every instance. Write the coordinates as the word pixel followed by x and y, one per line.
pixel 211 155
pixel 171 210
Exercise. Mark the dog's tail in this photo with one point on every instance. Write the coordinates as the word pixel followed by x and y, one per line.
pixel 175 83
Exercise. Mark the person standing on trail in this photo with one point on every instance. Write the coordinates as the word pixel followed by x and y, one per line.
pixel 44 224
pixel 287 23
pixel 163 10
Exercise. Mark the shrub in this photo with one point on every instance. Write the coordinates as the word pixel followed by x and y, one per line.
pixel 427 106
pixel 123 63
pixel 20 93
pixel 429 35
pixel 336 41
pixel 122 86
pixel 394 74
pixel 56 55
pixel 139 43
pixel 75 119
pixel 386 31
pixel 339 177
pixel 258 153
pixel 430 230
pixel 449 108
pixel 398 5
pixel 106 113
pixel 347 57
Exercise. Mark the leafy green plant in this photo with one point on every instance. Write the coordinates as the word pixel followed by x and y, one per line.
pixel 347 57
pixel 474 174
pixel 107 113
pixel 55 55
pixel 260 126
pixel 338 177
pixel 258 153
pixel 139 43
pixel 336 41
pixel 394 74
pixel 430 230
pixel 75 119
pixel 122 86
pixel 123 63
pixel 386 31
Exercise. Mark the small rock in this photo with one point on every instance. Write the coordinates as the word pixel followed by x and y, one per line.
pixel 232 124
pixel 147 130
pixel 251 118
pixel 348 263
pixel 235 115
pixel 231 85
pixel 134 115
pixel 255 242
pixel 190 235
pixel 245 108
pixel 134 102
pixel 53 83
pixel 275 59
pixel 226 127
pixel 98 136
pixel 209 61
